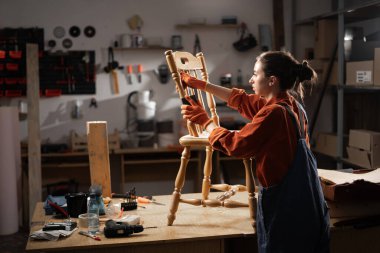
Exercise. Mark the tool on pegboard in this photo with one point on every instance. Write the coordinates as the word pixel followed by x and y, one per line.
pixel 111 67
pixel 129 71
pixel 139 71
pixel 115 82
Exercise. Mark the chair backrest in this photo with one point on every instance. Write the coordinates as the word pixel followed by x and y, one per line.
pixel 195 66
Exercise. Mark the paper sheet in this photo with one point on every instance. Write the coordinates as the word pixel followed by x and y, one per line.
pixel 338 177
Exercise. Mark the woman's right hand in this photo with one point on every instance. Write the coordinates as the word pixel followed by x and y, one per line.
pixel 192 82
pixel 195 113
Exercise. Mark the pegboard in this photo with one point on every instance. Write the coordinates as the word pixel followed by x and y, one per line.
pixel 68 73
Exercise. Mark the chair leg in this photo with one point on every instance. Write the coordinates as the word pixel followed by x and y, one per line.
pixel 179 182
pixel 207 169
pixel 250 183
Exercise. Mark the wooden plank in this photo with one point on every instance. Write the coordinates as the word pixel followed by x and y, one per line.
pixel 34 139
pixel 97 140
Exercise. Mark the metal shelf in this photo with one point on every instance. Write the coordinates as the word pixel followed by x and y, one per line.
pixel 360 89
pixel 355 88
pixel 361 12
pixel 197 26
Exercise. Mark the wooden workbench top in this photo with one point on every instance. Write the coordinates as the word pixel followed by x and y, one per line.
pixel 192 223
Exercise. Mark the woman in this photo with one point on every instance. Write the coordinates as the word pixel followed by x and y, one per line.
pixel 292 215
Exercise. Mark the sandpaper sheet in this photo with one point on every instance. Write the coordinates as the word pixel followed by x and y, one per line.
pixel 338 177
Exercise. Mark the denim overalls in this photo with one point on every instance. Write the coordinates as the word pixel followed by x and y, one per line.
pixel 293 216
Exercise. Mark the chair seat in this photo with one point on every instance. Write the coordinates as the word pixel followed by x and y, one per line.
pixel 189 140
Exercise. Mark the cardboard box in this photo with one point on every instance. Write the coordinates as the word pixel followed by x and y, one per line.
pixel 364 139
pixel 376 67
pixel 364 148
pixel 320 66
pixel 359 157
pixel 333 80
pixel 327 143
pixel 359 73
pixel 325 38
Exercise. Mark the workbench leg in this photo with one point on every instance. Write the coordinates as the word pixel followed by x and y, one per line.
pixel 250 183
pixel 179 182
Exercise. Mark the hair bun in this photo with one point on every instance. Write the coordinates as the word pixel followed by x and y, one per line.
pixel 303 72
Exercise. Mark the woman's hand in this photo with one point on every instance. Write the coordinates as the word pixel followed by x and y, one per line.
pixel 195 113
pixel 192 82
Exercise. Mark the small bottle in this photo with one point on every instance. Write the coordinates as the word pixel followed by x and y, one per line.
pixel 239 78
pixel 93 213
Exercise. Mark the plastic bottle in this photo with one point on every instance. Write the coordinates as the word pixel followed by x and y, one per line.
pixel 93 213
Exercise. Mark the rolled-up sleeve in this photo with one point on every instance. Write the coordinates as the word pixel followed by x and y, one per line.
pixel 246 104
pixel 251 139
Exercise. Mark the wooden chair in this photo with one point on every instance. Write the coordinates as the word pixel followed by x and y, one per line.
pixel 197 137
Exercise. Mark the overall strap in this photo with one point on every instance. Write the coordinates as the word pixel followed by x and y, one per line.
pixel 299 127
pixel 301 109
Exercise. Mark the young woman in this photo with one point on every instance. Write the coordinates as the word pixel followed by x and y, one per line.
pixel 292 215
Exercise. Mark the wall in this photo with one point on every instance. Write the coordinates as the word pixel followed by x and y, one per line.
pixel 110 20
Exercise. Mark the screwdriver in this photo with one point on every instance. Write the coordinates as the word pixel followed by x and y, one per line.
pixel 129 72
pixel 147 201
pixel 139 70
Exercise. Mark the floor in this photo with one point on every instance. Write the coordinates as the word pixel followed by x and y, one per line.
pixel 14 243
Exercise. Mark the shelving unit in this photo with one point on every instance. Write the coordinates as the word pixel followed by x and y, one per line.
pixel 363 11
pixel 179 26
pixel 140 48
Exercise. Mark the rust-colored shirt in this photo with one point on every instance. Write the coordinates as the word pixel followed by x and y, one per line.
pixel 270 137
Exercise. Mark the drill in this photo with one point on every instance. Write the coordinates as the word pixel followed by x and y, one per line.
pixel 119 229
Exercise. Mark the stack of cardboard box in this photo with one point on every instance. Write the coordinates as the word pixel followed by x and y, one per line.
pixel 364 148
pixel 327 144
pixel 364 73
pixel 324 44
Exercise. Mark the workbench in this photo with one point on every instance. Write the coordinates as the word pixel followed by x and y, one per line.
pixel 196 229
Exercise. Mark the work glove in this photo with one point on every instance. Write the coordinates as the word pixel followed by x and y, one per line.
pixel 195 113
pixel 192 82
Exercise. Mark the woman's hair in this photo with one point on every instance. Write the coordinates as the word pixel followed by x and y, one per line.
pixel 288 70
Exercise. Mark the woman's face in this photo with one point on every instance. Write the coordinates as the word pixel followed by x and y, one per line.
pixel 259 82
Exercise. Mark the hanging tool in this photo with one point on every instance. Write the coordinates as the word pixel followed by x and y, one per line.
pixel 197 45
pixel 139 71
pixel 112 64
pixel 93 103
pixel 111 68
pixel 72 82
pixel 129 73
pixel 68 76
pixel 115 82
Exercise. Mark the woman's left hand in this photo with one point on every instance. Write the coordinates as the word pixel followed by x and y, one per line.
pixel 195 113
